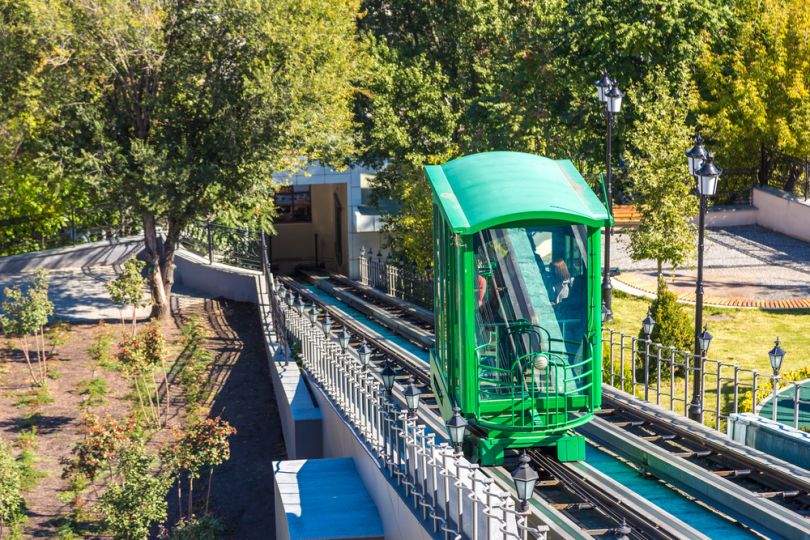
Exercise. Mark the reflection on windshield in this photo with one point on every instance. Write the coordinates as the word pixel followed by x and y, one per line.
pixel 531 294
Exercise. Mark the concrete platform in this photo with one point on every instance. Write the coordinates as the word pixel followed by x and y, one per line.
pixel 324 499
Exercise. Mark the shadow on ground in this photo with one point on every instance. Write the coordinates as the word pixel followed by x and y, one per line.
pixel 243 495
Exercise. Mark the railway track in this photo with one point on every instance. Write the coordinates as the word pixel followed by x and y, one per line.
pixel 581 503
pixel 757 483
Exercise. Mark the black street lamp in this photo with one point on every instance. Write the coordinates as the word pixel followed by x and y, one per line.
pixel 299 305
pixel 647 326
pixel 313 315
pixel 412 394
pixel 327 325
pixel 456 427
pixel 525 478
pixel 364 354
pixel 343 339
pixel 609 94
pixel 388 375
pixel 706 174
pixel 775 355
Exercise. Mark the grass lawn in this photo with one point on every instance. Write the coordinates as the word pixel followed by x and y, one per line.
pixel 741 336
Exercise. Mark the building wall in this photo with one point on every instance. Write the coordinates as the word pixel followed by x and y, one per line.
pixel 294 243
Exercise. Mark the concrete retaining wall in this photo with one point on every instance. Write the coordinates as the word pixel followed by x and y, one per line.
pixel 731 216
pixel 103 253
pixel 217 280
pixel 791 445
pixel 782 212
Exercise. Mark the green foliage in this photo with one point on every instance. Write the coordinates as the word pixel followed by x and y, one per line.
pixel 205 527
pixel 101 351
pixel 94 391
pixel 36 397
pixel 127 288
pixel 137 502
pixel 57 334
pixel 673 327
pixel 12 504
pixel 758 86
pixel 104 441
pixel 176 111
pixel 27 459
pixel 657 171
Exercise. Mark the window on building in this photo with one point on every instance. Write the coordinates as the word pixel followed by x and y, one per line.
pixel 293 204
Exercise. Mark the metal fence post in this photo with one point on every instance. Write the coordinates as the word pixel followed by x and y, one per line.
pixel 210 242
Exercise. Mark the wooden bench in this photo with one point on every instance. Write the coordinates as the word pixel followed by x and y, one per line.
pixel 625 216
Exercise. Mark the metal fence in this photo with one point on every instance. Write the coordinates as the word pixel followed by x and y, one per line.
pixel 665 376
pixel 226 245
pixel 455 497
pixel 23 234
pixel 409 284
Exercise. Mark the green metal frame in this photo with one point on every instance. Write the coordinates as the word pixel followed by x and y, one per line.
pixel 529 417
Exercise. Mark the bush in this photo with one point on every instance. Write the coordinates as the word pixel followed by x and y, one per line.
pixel 205 527
pixel 12 504
pixel 673 327
pixel 132 507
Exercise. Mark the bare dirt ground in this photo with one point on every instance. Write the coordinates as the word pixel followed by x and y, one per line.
pixel 239 390
pixel 57 423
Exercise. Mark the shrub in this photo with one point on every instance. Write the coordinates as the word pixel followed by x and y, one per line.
pixel 137 502
pixel 94 390
pixel 673 327
pixel 128 289
pixel 12 504
pixel 205 527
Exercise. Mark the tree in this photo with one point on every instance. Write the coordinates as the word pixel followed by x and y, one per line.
pixel 24 312
pixel 12 504
pixel 758 90
pixel 136 501
pixel 203 444
pixel 132 357
pixel 183 110
pixel 673 327
pixel 127 289
pixel 658 174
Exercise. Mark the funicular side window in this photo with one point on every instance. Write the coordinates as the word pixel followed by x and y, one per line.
pixel 531 307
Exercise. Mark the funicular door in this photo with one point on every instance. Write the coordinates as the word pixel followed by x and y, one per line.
pixel 532 307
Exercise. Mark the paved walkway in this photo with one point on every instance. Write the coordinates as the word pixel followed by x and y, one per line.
pixel 78 294
pixel 745 266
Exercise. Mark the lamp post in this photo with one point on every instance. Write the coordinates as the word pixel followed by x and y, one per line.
pixel 456 427
pixel 364 354
pixel 343 339
pixel 388 375
pixel 775 355
pixel 327 325
pixel 647 326
pixel 412 394
pixel 609 94
pixel 525 478
pixel 707 175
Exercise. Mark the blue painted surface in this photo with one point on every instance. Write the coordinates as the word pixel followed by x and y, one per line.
pixel 689 512
pixel 383 331
pixel 786 403
pixel 325 498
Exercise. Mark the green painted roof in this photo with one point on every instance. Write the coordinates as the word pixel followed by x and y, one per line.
pixel 485 190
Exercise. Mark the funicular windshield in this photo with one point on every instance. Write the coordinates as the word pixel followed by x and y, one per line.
pixel 531 293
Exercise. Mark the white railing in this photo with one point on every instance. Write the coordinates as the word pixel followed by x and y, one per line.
pixel 411 285
pixel 452 495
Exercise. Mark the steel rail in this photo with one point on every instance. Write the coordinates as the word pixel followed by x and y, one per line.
pixel 621 512
pixel 764 476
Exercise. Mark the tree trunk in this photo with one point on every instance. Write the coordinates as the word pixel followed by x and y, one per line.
pixel 160 302
pixel 210 481
pixel 169 248
pixel 27 355
pixel 660 268
pixel 764 172
pixel 190 494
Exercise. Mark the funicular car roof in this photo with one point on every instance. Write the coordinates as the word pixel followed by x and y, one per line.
pixel 485 190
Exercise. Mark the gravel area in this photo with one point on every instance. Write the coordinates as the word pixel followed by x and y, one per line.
pixel 746 261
